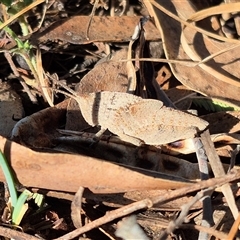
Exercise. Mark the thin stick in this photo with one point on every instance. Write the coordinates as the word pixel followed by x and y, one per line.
pixel 189 63
pixel 76 207
pixel 147 203
pixel 234 229
pixel 185 209
pixel 210 231
pixel 13 234
pixel 207 218
pixel 218 171
pixel 16 73
pixel 123 211
pixel 91 17
pixel 26 9
pixel 200 30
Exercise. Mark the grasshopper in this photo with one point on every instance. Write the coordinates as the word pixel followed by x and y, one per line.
pixel 137 120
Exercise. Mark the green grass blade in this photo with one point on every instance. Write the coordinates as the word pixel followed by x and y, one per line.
pixel 214 104
pixel 9 179
pixel 21 207
pixel 38 199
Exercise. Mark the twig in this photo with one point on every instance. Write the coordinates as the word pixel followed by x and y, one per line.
pixel 131 73
pixel 185 209
pixel 207 219
pixel 147 203
pixel 125 6
pixel 18 14
pixel 126 210
pixel 13 234
pixel 43 80
pixel 16 73
pixel 218 171
pixel 235 175
pixel 76 207
pixel 210 231
pixel 45 7
pixel 234 228
pixel 202 159
pixel 112 8
pixel 190 25
pixel 91 17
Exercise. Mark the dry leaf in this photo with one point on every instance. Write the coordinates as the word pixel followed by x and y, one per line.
pixel 147 157
pixel 38 169
pixel 196 78
pixel 102 29
pixel 39 129
pixel 76 207
pixel 218 171
pixel 223 122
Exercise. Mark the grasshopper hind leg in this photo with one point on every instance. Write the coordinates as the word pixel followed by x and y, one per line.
pixel 133 140
pixel 124 137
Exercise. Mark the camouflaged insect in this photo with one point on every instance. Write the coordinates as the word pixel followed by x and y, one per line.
pixel 137 120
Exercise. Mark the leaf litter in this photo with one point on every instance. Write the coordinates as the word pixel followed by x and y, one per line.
pixel 142 163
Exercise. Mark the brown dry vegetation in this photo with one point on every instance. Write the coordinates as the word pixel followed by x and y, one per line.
pixel 107 65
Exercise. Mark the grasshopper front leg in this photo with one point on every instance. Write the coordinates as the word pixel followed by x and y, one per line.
pixel 133 140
